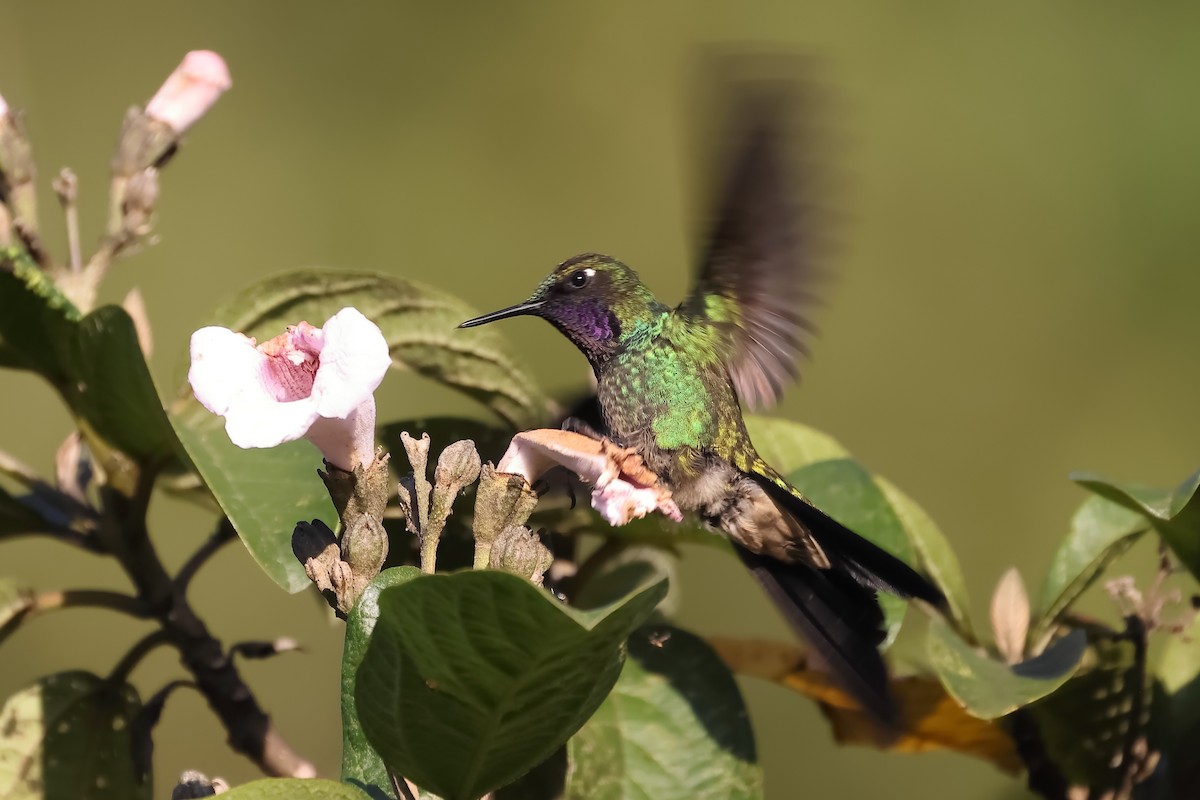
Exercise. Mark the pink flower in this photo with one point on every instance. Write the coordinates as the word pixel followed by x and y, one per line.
pixel 624 488
pixel 190 90
pixel 310 382
pixel 3 106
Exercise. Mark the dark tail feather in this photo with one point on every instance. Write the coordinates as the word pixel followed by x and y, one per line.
pixel 836 610
pixel 865 561
pixel 839 618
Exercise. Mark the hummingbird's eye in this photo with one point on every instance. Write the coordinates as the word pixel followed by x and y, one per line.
pixel 580 278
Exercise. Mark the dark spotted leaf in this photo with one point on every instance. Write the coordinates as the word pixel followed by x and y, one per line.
pixel 70 737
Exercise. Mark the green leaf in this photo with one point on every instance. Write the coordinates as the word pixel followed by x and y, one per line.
pixel 847 492
pixel 293 789
pixel 934 553
pixel 1174 513
pixel 674 726
pixel 1179 672
pixel 419 323
pixel 988 688
pixel 36 319
pixel 95 361
pixel 787 446
pixel 608 575
pixel 472 679
pixel 264 492
pixel 655 530
pixel 112 389
pixel 70 737
pixel 361 765
pixel 1100 532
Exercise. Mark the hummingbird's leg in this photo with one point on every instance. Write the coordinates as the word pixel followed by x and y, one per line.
pixel 556 478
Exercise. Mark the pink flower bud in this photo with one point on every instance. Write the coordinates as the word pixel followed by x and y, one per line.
pixel 310 382
pixel 190 90
pixel 3 106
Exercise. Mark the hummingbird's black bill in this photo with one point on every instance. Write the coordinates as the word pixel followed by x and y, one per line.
pixel 504 313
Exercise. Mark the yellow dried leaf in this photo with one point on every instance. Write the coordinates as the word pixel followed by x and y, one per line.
pixel 929 718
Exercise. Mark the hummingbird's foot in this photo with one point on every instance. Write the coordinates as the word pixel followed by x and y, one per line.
pixel 556 479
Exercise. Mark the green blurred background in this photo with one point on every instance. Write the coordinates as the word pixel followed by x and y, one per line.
pixel 1015 297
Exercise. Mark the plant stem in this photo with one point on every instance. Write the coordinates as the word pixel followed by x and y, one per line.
pixel 66 186
pixel 250 730
pixel 61 514
pixel 1042 775
pixel 72 598
pixel 224 533
pixel 19 471
pixel 429 548
pixel 95 598
pixel 125 667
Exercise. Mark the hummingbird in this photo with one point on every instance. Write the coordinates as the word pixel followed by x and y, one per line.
pixel 672 382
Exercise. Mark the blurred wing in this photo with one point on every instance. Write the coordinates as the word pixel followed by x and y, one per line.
pixel 756 275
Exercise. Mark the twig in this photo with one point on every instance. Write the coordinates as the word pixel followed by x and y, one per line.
pixel 19 471
pixel 144 723
pixel 66 186
pixel 95 598
pixel 260 650
pixel 250 729
pixel 1136 760
pixel 1043 776
pixel 33 244
pixel 141 648
pixel 36 605
pixel 223 534
pixel 59 512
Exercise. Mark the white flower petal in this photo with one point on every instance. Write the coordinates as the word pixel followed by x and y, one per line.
pixel 224 365
pixel 354 359
pixel 250 422
pixel 532 453
pixel 347 442
pixel 268 393
pixel 620 502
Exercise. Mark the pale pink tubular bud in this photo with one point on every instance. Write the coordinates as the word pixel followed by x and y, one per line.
pixel 3 106
pixel 624 489
pixel 190 90
pixel 310 382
